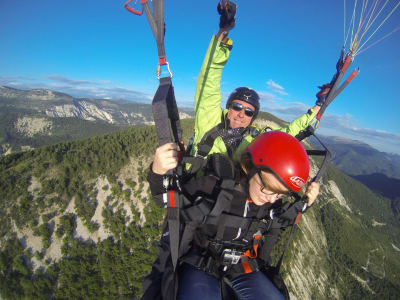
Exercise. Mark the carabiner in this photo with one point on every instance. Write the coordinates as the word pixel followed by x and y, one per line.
pixel 158 71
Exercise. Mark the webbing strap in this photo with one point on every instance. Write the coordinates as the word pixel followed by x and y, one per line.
pixel 156 21
pixel 165 113
pixel 341 67
pixel 248 261
pixel 173 224
pixel 300 206
pixel 289 240
pixel 187 236
pixel 288 216
pixel 208 139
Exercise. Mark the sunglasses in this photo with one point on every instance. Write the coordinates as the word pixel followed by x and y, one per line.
pixel 238 107
pixel 265 189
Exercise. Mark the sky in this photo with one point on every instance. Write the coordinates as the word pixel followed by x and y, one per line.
pixel 283 49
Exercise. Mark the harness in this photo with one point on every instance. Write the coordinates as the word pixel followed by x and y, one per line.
pixel 212 253
pixel 198 160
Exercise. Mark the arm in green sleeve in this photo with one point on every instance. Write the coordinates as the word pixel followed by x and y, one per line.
pixel 208 89
pixel 292 128
pixel 297 125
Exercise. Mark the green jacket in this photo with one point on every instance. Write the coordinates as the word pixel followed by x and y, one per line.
pixel 208 111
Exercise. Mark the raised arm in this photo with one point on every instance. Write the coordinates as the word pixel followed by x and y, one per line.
pixel 208 97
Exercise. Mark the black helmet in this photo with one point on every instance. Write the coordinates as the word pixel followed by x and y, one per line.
pixel 247 95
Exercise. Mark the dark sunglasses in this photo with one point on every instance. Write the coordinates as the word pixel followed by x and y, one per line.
pixel 238 107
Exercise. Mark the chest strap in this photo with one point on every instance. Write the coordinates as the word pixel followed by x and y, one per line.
pixel 207 142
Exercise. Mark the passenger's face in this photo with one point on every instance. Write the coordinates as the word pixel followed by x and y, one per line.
pixel 239 118
pixel 265 187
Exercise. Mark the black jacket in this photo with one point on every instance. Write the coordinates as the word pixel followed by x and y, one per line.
pixel 161 284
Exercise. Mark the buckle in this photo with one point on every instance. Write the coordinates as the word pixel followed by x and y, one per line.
pixel 230 257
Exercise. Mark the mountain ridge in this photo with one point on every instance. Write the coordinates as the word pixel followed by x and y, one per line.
pixel 358 158
pixel 37 117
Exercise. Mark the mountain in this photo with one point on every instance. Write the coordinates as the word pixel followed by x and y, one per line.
pixel 357 158
pixel 77 222
pixel 34 118
pixel 379 171
pixel 385 186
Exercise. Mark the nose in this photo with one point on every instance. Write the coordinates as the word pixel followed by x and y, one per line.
pixel 241 113
pixel 273 197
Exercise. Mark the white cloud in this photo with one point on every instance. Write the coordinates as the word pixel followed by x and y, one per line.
pixel 266 97
pixel 339 125
pixel 62 79
pixel 277 88
pixel 77 88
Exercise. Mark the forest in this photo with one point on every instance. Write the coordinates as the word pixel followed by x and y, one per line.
pixel 114 267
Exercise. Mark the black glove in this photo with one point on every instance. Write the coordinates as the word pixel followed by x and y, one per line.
pixel 227 12
pixel 322 94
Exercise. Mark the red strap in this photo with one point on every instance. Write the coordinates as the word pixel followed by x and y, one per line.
pixel 253 254
pixel 249 254
pixel 162 60
pixel 346 64
pixel 134 11
pixel 298 218
pixel 171 198
pixel 324 90
pixel 351 77
pixel 246 267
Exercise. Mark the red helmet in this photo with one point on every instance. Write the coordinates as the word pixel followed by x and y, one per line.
pixel 282 154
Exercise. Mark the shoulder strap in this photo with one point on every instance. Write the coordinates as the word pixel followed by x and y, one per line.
pixel 207 142
pixel 252 130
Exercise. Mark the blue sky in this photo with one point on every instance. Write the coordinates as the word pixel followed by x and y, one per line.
pixel 283 49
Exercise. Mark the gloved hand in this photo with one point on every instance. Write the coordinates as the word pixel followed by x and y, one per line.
pixel 227 12
pixel 322 94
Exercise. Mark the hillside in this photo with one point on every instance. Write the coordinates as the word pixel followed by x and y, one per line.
pixel 36 118
pixel 77 222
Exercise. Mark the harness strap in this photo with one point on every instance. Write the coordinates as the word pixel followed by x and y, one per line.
pixel 288 215
pixel 207 142
pixel 198 212
pixel 196 163
pixel 206 263
pixel 249 265
pixel 165 113
pixel 292 231
pixel 254 253
pixel 224 198
pixel 173 224
pixel 251 225
pixel 187 237
pixel 213 264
